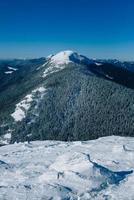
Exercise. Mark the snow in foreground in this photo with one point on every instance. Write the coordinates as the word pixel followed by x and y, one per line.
pixel 98 169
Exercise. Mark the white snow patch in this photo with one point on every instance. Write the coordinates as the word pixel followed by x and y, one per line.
pixel 40 89
pixel 7 136
pixel 8 72
pixel 11 68
pixel 52 69
pixel 5 139
pixel 98 64
pixel 68 170
pixel 22 107
pixel 110 77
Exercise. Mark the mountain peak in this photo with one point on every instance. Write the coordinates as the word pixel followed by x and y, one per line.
pixel 68 56
pixel 62 57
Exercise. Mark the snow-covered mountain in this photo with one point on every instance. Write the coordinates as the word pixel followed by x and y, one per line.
pixel 65 57
pixel 65 96
pixel 71 98
pixel 99 169
pixel 62 59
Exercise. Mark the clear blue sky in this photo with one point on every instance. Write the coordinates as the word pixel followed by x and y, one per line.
pixel 96 28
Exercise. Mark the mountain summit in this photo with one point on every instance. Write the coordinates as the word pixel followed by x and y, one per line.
pixel 62 60
pixel 65 57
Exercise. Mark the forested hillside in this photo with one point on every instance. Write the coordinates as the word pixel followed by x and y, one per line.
pixel 81 100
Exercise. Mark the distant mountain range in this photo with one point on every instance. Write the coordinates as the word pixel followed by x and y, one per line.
pixel 65 97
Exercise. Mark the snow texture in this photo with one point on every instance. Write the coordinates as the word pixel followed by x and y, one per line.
pixel 22 107
pixel 100 169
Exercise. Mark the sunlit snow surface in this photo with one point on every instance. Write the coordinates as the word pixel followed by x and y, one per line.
pixel 23 106
pixel 62 57
pixel 99 169
pixel 57 62
pixel 61 60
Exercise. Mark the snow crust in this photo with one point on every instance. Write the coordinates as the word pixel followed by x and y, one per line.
pixel 98 169
pixel 23 106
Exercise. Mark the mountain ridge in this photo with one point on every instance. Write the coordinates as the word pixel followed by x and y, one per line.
pixel 80 99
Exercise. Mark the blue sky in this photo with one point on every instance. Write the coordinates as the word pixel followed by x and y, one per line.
pixel 96 28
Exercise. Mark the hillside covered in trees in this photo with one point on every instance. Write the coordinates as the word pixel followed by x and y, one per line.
pixel 77 100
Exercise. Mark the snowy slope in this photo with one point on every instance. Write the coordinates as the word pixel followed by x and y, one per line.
pixel 22 107
pixel 60 60
pixel 98 169
pixel 65 57
pixel 62 57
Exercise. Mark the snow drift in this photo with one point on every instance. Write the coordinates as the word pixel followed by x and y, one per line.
pixel 98 169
